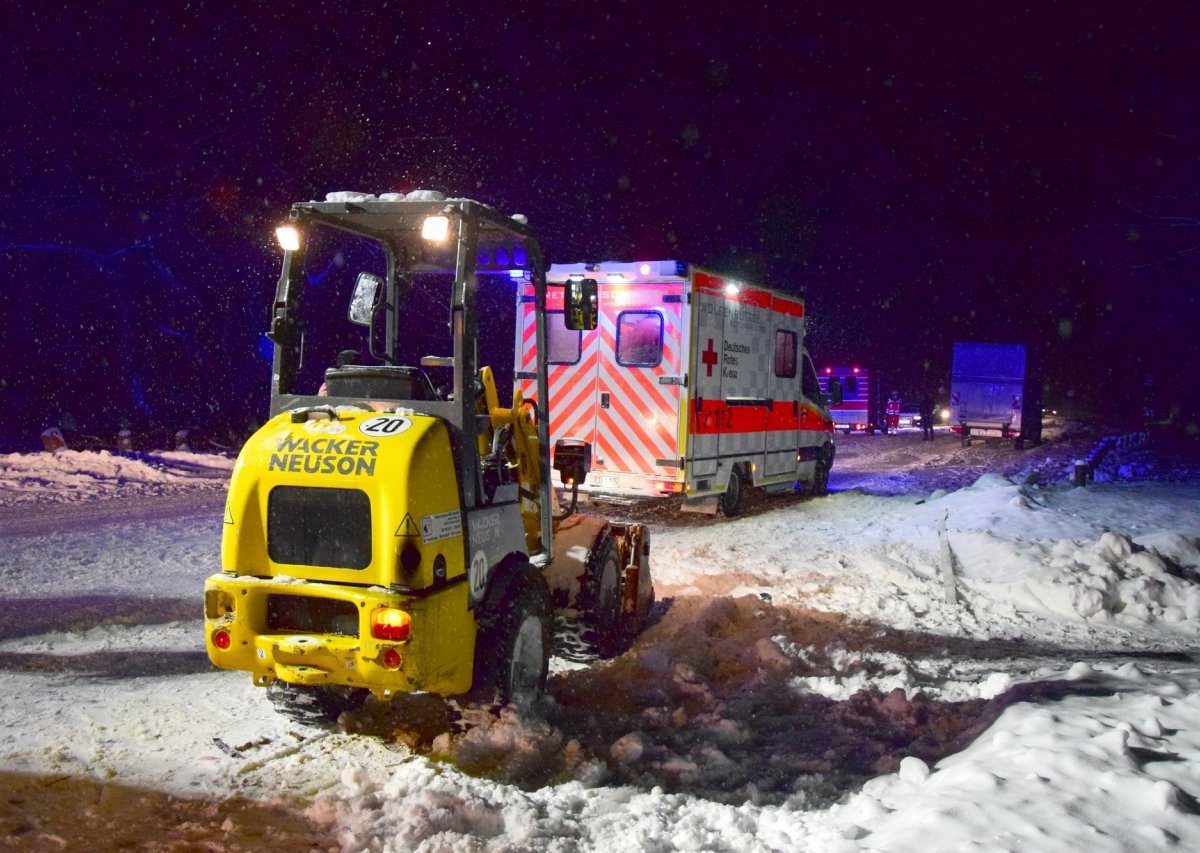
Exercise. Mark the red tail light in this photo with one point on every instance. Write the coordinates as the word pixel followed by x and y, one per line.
pixel 388 623
pixel 221 639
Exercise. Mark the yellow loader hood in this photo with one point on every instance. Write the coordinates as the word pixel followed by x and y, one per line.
pixel 346 496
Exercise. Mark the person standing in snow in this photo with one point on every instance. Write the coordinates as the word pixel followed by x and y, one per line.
pixel 926 416
pixel 893 414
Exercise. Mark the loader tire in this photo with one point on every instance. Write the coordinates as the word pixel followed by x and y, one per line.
pixel 314 706
pixel 512 649
pixel 730 501
pixel 600 601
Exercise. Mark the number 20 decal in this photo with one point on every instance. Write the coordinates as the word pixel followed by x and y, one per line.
pixel 383 426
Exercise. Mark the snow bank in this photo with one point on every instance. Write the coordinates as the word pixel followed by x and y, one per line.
pixel 76 475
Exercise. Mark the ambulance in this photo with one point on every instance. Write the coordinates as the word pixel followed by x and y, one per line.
pixel 861 408
pixel 693 384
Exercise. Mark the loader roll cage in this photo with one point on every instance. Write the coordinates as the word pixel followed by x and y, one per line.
pixel 478 240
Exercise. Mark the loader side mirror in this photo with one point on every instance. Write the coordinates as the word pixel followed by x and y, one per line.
pixel 581 304
pixel 572 460
pixel 367 290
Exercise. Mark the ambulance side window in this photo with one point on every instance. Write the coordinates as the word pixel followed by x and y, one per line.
pixel 562 344
pixel 785 353
pixel 810 387
pixel 639 338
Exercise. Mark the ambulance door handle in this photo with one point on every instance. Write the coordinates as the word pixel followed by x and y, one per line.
pixel 604 400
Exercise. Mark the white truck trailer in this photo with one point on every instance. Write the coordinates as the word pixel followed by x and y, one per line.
pixel 992 394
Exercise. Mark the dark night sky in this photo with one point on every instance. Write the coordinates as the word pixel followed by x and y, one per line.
pixel 924 173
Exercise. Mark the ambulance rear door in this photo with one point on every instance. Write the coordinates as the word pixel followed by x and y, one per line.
pixel 637 394
pixel 572 360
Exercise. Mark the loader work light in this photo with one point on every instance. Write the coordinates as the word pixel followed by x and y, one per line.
pixel 288 237
pixel 388 623
pixel 435 229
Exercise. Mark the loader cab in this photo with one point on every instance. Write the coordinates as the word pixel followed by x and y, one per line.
pixel 400 302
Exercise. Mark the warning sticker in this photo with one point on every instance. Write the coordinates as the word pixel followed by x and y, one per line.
pixel 444 525
pixel 407 527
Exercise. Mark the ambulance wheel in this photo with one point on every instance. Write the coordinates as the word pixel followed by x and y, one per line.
pixel 314 706
pixel 512 649
pixel 600 600
pixel 730 501
pixel 820 481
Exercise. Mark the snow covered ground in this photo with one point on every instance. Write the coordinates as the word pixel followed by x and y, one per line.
pixel 954 650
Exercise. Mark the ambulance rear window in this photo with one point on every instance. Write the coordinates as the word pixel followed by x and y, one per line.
pixel 562 345
pixel 319 527
pixel 639 338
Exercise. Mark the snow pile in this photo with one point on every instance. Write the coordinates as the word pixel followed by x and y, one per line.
pixel 1016 550
pixel 75 475
pixel 1110 579
pixel 1114 763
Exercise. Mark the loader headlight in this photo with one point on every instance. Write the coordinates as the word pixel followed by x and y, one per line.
pixel 435 229
pixel 288 237
pixel 388 623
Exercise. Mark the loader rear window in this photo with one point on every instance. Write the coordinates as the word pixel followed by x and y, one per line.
pixel 562 343
pixel 319 527
pixel 639 338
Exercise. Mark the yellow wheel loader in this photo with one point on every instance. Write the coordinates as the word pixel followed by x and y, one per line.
pixel 392 527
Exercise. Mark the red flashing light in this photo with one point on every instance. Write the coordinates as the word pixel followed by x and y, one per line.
pixel 221 639
pixel 388 623
pixel 856 370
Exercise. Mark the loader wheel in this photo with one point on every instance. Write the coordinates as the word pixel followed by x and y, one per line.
pixel 731 501
pixel 314 706
pixel 512 650
pixel 600 600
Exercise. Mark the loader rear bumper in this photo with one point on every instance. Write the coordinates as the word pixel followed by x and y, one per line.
pixel 320 635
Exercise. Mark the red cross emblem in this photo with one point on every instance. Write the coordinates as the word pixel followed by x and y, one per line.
pixel 709 357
